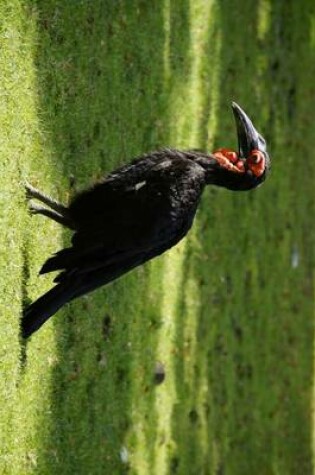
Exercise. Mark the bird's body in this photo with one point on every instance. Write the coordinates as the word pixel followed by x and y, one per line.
pixel 134 214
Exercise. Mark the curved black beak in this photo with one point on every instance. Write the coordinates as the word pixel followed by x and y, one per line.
pixel 248 137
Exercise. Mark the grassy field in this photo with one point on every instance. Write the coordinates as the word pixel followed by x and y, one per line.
pixel 85 86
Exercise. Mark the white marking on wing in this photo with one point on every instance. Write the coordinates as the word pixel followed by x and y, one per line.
pixel 140 185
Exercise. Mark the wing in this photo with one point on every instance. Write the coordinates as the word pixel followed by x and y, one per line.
pixel 123 222
pixel 125 189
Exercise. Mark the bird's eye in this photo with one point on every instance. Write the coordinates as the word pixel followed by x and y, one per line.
pixel 256 163
pixel 256 157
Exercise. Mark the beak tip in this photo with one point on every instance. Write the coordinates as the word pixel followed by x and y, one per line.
pixel 236 107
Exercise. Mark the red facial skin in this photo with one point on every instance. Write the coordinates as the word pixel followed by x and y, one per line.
pixel 231 161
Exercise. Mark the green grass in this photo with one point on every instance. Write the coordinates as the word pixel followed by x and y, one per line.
pixel 85 86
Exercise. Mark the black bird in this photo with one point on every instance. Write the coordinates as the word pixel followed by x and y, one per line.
pixel 138 212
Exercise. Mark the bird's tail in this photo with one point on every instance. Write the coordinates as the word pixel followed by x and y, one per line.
pixel 36 314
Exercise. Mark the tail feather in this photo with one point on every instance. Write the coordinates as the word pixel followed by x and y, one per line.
pixel 36 314
pixel 60 260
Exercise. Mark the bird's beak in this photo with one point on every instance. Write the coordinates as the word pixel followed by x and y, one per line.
pixel 248 137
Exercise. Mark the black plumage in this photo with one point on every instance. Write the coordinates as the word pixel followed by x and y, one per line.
pixel 136 213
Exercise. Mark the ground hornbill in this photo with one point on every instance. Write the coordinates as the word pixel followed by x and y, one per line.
pixel 137 212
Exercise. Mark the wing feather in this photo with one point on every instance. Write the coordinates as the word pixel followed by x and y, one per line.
pixel 109 238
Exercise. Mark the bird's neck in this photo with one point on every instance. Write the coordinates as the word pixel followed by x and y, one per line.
pixel 210 165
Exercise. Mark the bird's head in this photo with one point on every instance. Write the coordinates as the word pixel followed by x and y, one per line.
pixel 246 168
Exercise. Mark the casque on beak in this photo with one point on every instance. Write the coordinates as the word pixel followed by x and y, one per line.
pixel 248 137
